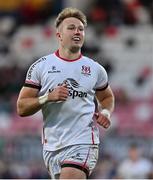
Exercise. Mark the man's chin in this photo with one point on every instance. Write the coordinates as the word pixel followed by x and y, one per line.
pixel 75 49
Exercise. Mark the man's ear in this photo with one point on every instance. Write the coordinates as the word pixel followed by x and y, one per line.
pixel 58 35
pixel 58 32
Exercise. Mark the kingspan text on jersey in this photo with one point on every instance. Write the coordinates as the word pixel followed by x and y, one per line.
pixel 73 93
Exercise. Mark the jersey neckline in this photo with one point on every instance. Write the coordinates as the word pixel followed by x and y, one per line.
pixel 65 59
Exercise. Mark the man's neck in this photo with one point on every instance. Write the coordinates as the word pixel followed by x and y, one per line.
pixel 67 54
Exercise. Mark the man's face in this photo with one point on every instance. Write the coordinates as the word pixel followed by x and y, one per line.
pixel 71 34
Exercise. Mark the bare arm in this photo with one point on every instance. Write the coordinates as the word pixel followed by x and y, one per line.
pixel 106 99
pixel 28 101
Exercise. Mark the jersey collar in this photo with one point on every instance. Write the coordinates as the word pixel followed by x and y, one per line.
pixel 68 60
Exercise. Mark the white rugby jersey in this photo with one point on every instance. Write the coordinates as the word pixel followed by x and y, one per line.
pixel 72 121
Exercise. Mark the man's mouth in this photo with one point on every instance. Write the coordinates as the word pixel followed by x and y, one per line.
pixel 76 39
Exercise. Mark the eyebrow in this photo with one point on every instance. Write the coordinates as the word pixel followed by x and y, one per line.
pixel 75 25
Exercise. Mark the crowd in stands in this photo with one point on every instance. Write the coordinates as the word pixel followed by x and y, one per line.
pixel 119 36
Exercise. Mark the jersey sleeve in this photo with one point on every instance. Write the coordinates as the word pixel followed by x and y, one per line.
pixel 102 80
pixel 33 76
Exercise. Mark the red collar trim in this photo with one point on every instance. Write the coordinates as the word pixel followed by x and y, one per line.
pixel 68 60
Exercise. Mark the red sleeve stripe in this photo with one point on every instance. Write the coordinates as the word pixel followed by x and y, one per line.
pixel 31 82
pixel 92 135
pixel 32 85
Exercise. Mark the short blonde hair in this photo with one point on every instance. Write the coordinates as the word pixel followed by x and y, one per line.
pixel 70 12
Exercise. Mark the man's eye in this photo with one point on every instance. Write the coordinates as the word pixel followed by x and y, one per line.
pixel 81 29
pixel 70 28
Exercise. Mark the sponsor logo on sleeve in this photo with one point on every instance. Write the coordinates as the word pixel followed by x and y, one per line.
pixel 29 74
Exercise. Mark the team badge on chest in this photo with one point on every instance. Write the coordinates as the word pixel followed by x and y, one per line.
pixel 86 70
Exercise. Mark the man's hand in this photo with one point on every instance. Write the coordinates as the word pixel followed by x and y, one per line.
pixel 103 120
pixel 60 93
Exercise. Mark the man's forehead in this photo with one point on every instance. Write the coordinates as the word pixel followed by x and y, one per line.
pixel 72 20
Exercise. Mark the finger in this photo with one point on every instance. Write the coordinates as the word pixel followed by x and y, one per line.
pixel 61 88
pixel 106 124
pixel 65 93
pixel 64 96
pixel 63 99
pixel 64 85
pixel 103 122
pixel 64 89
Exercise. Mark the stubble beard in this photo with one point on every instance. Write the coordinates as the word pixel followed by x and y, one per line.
pixel 75 49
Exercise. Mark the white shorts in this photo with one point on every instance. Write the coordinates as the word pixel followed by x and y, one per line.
pixel 83 157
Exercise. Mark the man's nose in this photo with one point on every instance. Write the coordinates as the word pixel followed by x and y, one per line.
pixel 77 31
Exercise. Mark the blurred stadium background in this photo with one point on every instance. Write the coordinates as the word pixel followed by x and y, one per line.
pixel 119 36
